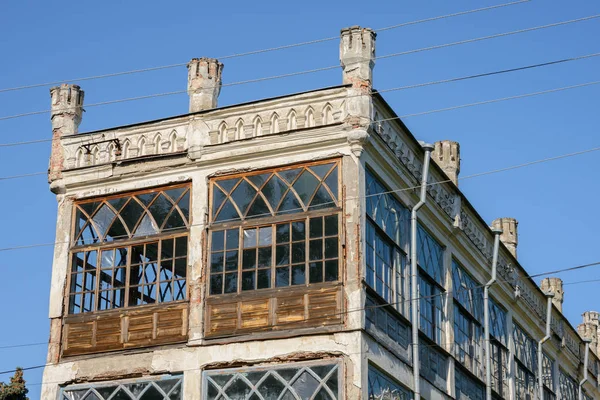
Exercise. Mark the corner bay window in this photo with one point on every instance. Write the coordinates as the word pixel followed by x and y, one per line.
pixel 272 230
pixel 128 251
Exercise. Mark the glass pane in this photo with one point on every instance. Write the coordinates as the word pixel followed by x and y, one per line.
pixel 231 282
pixel 331 270
pixel 298 274
pixel 231 260
pixel 316 249
pixel 298 250
pixel 259 180
pixel 282 255
pixel 216 262
pixel 322 199
pixel 216 284
pixel 173 222
pixel 250 237
pixel 184 205
pixel 283 233
pixel 264 257
pixel 166 249
pixel 233 239
pixel 274 191
pixel 242 195
pixel 290 204
pixel 316 227
pixel 248 278
pixel 258 209
pixel 249 259
pixel 228 212
pixel 264 279
pixel 146 227
pixel 298 231
pixel 316 272
pixel 116 231
pixel 282 277
pixel 228 184
pixel 331 225
pixel 290 174
pixel 146 198
pixel 331 247
pixel 218 198
pixel 321 170
pixel 265 235
pixel 103 219
pixel 305 186
pixel 160 209
pixel 332 182
pixel 131 214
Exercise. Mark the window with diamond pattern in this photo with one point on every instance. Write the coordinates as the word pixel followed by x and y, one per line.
pixel 129 250
pixel 275 228
pixel 298 381
pixel 167 388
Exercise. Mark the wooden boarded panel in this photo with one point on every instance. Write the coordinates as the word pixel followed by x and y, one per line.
pixel 79 337
pixel 290 309
pixel 140 329
pixel 324 307
pixel 254 314
pixel 108 332
pixel 119 329
pixel 170 323
pixel 274 310
pixel 223 318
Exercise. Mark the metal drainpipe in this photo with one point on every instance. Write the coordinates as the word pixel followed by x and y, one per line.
pixel 549 297
pixel 486 315
pixel 413 271
pixel 585 366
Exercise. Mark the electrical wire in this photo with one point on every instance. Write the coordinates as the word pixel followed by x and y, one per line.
pixel 462 178
pixel 414 86
pixel 31 113
pixel 366 308
pixel 261 51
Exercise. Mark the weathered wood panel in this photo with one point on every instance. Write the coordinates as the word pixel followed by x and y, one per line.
pixel 274 310
pixel 124 329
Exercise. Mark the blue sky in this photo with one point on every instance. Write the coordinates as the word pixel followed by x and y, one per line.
pixel 555 203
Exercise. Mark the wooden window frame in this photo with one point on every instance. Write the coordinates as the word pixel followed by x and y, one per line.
pixel 99 247
pixel 272 221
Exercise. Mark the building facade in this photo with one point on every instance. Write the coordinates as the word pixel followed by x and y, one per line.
pixel 262 251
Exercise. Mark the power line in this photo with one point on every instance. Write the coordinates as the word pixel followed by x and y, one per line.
pixel 5 178
pixel 31 113
pixel 22 345
pixel 448 293
pixel 254 52
pixel 414 86
pixel 580 282
pixel 479 103
pixel 495 171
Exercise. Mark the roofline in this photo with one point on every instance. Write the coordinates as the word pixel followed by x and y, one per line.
pixel 464 199
pixel 207 111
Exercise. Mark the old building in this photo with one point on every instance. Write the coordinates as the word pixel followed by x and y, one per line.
pixel 263 251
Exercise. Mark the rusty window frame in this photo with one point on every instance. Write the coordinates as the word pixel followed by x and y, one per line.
pixel 129 387
pixel 99 248
pixel 286 380
pixel 272 220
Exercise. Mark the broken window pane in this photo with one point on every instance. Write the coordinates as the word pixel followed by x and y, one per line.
pixel 166 388
pixel 293 381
